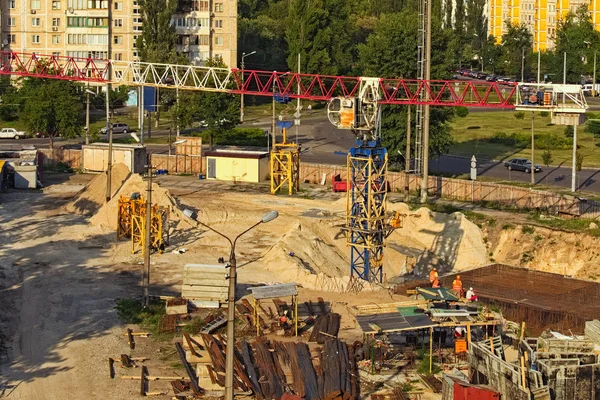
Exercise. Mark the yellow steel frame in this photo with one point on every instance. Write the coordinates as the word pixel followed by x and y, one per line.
pixel 285 166
pixel 124 218
pixel 159 227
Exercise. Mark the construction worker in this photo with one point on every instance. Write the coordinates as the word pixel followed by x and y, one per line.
pixel 457 286
pixel 433 275
pixel 471 296
pixel 436 283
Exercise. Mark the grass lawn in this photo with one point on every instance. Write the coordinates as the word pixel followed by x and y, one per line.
pixel 476 141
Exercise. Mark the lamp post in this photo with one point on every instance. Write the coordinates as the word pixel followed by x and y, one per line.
pixel 230 351
pixel 244 55
pixel 87 115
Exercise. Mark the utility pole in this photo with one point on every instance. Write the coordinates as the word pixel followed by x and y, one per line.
pixel 298 101
pixel 425 180
pixel 273 121
pixel 407 158
pixel 148 235
pixel 532 150
pixel 244 55
pixel 87 115
pixel 594 78
pixel 109 129
pixel 574 166
pixel 539 65
pixel 177 116
pixel 142 114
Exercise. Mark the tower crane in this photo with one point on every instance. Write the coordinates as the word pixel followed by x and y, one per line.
pixel 355 103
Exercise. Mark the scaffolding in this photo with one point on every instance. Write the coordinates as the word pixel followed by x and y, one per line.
pixel 285 166
pixel 131 223
pixel 159 228
pixel 365 216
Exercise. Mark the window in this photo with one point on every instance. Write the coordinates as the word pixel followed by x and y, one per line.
pixel 218 40
pixel 35 21
pixel 55 39
pixel 11 21
pixel 218 7
pixel 118 23
pixel 218 23
pixel 11 38
pixel 12 4
pixel 79 38
pixel 119 56
pixel 97 22
pixel 136 11
pixel 55 21
pixel 118 39
pixel 79 22
pixel 204 22
pixel 35 4
pixel 203 6
pixel 77 4
pixel 35 39
pixel 203 40
pixel 137 28
pixel 56 53
pixel 119 6
pixel 135 54
pixel 97 4
pixel 97 39
pixel 56 4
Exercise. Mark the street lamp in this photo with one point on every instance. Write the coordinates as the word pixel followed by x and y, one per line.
pixel 230 351
pixel 244 55
pixel 87 115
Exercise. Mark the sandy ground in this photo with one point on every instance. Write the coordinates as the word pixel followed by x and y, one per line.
pixel 61 269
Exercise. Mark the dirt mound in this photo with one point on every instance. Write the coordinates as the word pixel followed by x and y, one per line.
pixel 448 241
pixel 106 216
pixel 93 196
pixel 301 252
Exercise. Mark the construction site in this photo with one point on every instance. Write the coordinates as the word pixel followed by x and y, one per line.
pixel 128 280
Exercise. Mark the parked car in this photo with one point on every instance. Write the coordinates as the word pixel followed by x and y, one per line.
pixel 492 78
pixel 481 75
pixel 521 164
pixel 116 128
pixel 11 133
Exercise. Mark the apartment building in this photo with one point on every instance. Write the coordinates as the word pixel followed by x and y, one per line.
pixel 207 29
pixel 79 28
pixel 541 16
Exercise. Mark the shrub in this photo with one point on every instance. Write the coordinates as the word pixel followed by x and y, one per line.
pixel 513 139
pixel 569 131
pixel 544 114
pixel 520 115
pixel 527 229
pixel 551 142
pixel 593 126
pixel 474 127
pixel 506 227
pixel 462 111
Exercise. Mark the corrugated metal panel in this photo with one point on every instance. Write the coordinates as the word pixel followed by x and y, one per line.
pixel 274 291
pixel 473 393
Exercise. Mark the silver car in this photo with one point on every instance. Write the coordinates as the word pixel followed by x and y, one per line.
pixel 117 128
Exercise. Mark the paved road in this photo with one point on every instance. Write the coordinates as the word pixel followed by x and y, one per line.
pixel 322 143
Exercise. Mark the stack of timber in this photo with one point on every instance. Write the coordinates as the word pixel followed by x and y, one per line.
pixel 272 369
pixel 326 326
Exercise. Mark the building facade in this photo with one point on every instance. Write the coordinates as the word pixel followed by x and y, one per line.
pixel 79 28
pixel 541 16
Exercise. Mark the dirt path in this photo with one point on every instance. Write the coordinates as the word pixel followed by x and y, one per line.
pixel 57 301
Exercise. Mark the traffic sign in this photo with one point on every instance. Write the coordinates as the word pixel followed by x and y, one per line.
pixel 297 114
pixel 297 122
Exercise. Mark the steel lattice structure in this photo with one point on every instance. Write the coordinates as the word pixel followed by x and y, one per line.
pixel 254 82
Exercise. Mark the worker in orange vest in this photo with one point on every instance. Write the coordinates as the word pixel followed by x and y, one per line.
pixel 433 275
pixel 457 286
pixel 436 283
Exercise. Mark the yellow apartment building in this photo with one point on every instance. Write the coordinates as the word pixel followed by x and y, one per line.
pixel 79 28
pixel 541 16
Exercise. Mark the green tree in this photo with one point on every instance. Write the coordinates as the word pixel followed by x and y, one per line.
pixel 117 97
pixel 547 159
pixel 321 32
pixel 516 43
pixel 52 107
pixel 390 51
pixel 219 112
pixel 576 36
pixel 158 40
pixel 492 55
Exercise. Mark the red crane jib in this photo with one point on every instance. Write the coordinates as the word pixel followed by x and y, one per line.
pixel 289 85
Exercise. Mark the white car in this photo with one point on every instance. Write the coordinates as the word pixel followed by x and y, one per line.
pixel 11 133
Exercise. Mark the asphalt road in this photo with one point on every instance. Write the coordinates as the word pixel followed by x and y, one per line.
pixel 322 143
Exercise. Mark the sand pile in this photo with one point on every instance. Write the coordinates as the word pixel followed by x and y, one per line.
pixel 300 252
pixel 450 241
pixel 93 196
pixel 106 216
